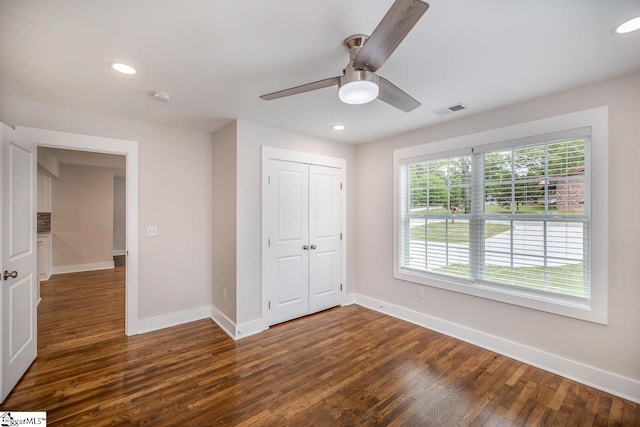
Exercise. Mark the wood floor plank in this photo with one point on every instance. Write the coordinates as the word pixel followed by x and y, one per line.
pixel 347 366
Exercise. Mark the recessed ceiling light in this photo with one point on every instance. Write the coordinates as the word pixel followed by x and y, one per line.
pixel 123 68
pixel 629 26
pixel 338 127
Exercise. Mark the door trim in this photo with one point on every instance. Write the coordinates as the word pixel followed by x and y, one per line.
pixel 73 141
pixel 275 153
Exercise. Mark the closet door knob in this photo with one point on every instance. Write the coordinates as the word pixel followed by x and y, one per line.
pixel 313 246
pixel 306 247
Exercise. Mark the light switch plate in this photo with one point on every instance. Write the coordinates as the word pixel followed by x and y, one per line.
pixel 152 231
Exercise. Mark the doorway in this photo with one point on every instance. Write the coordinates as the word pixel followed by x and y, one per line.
pixel 129 149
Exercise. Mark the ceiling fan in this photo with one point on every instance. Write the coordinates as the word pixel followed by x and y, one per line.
pixel 359 83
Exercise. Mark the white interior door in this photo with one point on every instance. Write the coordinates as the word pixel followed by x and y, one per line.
pixel 287 263
pixel 302 219
pixel 19 258
pixel 325 217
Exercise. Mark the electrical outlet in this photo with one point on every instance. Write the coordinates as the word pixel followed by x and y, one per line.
pixel 84 252
pixel 224 293
pixel 420 291
pixel 152 231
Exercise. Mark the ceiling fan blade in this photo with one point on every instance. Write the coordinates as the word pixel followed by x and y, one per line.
pixel 395 96
pixel 301 89
pixel 389 33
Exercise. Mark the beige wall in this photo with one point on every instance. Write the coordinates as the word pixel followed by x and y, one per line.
pixel 224 220
pixel 250 138
pixel 615 347
pixel 119 214
pixel 82 216
pixel 174 193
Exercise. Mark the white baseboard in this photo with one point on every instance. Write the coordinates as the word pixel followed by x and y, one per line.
pixel 249 328
pixel 118 252
pixel 172 319
pixel 236 332
pixel 349 299
pixel 610 382
pixel 227 325
pixel 224 322
pixel 76 268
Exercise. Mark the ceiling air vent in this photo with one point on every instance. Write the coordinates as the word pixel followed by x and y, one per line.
pixel 449 110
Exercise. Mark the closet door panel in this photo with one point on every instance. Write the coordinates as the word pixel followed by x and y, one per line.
pixel 325 217
pixel 286 216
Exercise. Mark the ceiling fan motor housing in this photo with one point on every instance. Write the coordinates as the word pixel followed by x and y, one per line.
pixel 358 76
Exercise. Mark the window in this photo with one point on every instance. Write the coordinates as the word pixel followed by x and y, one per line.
pixel 508 220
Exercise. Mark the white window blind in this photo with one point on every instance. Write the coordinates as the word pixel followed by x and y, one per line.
pixel 436 215
pixel 513 215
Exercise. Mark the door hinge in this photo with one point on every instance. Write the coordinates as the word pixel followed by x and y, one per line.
pixel 268 179
pixel 269 305
pixel 340 236
pixel 340 286
pixel 341 186
pixel 269 242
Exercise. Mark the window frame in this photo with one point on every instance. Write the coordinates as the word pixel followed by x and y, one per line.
pixel 594 308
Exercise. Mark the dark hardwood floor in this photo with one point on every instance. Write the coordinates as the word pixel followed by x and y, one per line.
pixel 346 366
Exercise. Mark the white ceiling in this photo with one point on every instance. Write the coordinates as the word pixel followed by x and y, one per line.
pixel 216 57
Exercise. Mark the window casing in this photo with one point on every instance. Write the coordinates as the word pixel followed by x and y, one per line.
pixel 510 220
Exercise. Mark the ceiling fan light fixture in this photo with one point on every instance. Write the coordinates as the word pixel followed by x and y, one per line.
pixel 358 87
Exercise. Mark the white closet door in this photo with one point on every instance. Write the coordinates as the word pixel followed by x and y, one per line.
pixel 324 237
pixel 286 218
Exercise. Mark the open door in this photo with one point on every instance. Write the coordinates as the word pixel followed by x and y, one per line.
pixel 18 272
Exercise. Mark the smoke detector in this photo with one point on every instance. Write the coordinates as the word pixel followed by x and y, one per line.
pixel 162 96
